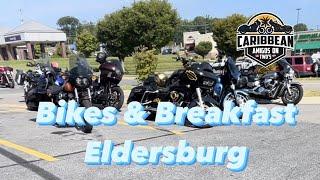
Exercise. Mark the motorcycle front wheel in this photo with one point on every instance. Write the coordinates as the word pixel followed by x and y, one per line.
pixel 88 127
pixel 240 99
pixel 11 84
pixel 295 97
pixel 207 104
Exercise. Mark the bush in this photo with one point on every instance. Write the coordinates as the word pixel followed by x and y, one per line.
pixel 203 48
pixel 86 43
pixel 37 51
pixel 146 62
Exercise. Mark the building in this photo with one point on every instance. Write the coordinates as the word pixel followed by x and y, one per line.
pixel 192 39
pixel 18 43
pixel 307 42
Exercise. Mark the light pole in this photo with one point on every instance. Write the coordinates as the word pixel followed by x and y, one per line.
pixel 298 14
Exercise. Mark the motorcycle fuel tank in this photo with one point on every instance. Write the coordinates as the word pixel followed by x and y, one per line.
pixel 273 75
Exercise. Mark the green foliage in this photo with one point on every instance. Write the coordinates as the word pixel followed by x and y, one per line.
pixel 146 62
pixel 203 48
pixel 69 25
pixel 86 43
pixel 37 51
pixel 88 26
pixel 149 23
pixel 58 52
pixel 224 33
pixel 300 27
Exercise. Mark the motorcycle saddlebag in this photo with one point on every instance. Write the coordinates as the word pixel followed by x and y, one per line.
pixel 136 94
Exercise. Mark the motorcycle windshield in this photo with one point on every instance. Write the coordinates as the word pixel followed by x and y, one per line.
pixel 79 67
pixel 232 69
pixel 284 65
pixel 44 61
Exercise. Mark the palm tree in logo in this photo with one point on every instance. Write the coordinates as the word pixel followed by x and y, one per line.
pixel 265 27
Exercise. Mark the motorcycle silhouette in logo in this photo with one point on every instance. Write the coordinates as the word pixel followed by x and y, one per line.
pixel 280 28
pixel 249 28
pixel 265 26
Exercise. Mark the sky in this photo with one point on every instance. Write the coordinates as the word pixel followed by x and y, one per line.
pixel 49 11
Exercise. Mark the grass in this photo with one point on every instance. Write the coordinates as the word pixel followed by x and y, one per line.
pixel 311 93
pixel 165 63
pixel 309 79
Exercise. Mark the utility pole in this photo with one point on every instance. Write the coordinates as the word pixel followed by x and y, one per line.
pixel 206 23
pixel 298 14
pixel 20 15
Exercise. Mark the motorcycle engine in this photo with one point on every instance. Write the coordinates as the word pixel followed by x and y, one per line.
pixel 269 83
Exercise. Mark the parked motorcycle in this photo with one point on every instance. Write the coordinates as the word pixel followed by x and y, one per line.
pixel 6 77
pixel 194 85
pixel 274 85
pixel 106 91
pixel 77 86
pixel 41 84
pixel 230 83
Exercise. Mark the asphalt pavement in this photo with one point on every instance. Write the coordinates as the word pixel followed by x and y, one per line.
pixel 28 151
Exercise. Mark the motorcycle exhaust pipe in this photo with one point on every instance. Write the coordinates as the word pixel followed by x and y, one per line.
pixel 200 97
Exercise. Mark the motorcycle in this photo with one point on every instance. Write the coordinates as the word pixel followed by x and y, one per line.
pixel 6 77
pixel 229 84
pixel 41 84
pixel 77 86
pixel 194 85
pixel 106 91
pixel 274 85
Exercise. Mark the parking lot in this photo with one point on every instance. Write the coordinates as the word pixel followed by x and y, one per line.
pixel 27 150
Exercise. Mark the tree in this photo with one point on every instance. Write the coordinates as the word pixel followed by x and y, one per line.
pixel 88 26
pixel 86 43
pixel 224 33
pixel 146 62
pixel 149 23
pixel 69 25
pixel 203 48
pixel 300 27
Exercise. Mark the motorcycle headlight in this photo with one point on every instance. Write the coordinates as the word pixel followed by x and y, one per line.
pixel 85 81
pixel 82 82
pixel 118 71
pixel 78 81
pixel 207 83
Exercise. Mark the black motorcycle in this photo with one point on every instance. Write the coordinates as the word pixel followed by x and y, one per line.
pixel 229 84
pixel 274 85
pixel 106 91
pixel 37 83
pixel 194 85
pixel 77 86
